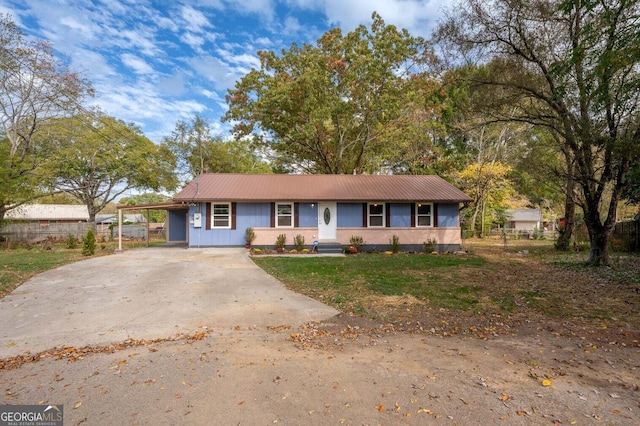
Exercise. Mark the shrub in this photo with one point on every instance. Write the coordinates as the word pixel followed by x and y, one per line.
pixel 395 244
pixel 89 243
pixel 249 235
pixel 356 241
pixel 298 242
pixel 281 240
pixel 430 245
pixel 71 241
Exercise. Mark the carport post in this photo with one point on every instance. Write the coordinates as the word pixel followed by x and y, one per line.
pixel 147 227
pixel 120 229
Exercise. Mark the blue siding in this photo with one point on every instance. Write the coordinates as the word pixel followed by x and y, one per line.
pixel 349 215
pixel 258 215
pixel 177 225
pixel 448 215
pixel 400 215
pixel 307 215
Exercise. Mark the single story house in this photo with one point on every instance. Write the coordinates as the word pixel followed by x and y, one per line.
pixel 524 219
pixel 45 214
pixel 330 209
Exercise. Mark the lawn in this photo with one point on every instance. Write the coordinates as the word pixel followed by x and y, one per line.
pixel 522 281
pixel 345 282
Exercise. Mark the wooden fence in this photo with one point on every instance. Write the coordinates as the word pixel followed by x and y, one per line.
pixel 626 235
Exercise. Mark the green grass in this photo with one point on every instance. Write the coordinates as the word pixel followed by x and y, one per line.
pixel 18 265
pixel 344 280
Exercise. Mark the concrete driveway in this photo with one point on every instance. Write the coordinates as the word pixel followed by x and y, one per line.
pixel 147 294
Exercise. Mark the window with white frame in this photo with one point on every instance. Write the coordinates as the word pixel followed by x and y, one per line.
pixel 221 215
pixel 424 214
pixel 284 215
pixel 376 214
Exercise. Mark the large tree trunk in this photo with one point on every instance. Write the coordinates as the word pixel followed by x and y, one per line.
pixel 563 242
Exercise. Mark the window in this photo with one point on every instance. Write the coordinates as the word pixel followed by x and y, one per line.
pixel 424 214
pixel 221 215
pixel 376 214
pixel 284 215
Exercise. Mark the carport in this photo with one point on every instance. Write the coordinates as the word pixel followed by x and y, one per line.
pixel 176 222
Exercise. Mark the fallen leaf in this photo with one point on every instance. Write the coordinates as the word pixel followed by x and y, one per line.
pixel 380 407
pixel 77 405
pixel 546 382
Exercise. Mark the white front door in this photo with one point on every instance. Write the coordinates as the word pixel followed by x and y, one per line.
pixel 327 221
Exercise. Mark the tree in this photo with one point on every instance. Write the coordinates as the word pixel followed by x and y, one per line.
pixel 328 108
pixel 196 151
pixel 155 216
pixel 489 185
pixel 34 89
pixel 571 66
pixel 99 158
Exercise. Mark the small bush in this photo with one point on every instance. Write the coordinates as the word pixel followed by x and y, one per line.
pixel 394 242
pixel 281 240
pixel 356 241
pixel 71 241
pixel 89 243
pixel 298 242
pixel 430 245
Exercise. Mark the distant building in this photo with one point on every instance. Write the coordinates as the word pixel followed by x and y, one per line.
pixel 524 219
pixel 46 214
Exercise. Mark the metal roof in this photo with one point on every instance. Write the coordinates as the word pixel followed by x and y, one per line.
pixel 49 212
pixel 281 187
pixel 525 215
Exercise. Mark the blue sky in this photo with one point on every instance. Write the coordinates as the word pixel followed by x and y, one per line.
pixel 156 62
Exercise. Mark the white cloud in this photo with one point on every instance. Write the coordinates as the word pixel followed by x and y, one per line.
pixel 194 41
pixel 214 70
pixel 418 16
pixel 194 20
pixel 136 64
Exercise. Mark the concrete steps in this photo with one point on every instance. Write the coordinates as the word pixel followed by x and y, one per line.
pixel 328 247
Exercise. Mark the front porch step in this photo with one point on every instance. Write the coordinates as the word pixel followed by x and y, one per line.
pixel 328 247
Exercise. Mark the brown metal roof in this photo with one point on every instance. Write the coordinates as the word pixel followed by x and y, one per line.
pixel 280 187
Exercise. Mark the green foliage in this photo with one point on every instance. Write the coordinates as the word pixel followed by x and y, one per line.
pixel 571 70
pixel 331 107
pixel 429 245
pixel 281 240
pixel 89 243
pixel 394 242
pixel 155 216
pixel 196 151
pixel 249 235
pixel 35 88
pixel 298 242
pixel 100 162
pixel 356 241
pixel 71 241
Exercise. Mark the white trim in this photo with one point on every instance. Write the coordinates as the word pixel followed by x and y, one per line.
pixel 430 215
pixel 292 215
pixel 383 215
pixel 213 216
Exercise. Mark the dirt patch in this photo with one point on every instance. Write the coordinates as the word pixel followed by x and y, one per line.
pixel 407 363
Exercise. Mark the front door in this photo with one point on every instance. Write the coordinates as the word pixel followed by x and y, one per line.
pixel 327 221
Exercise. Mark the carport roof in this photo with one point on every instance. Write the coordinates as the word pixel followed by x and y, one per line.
pixel 274 187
